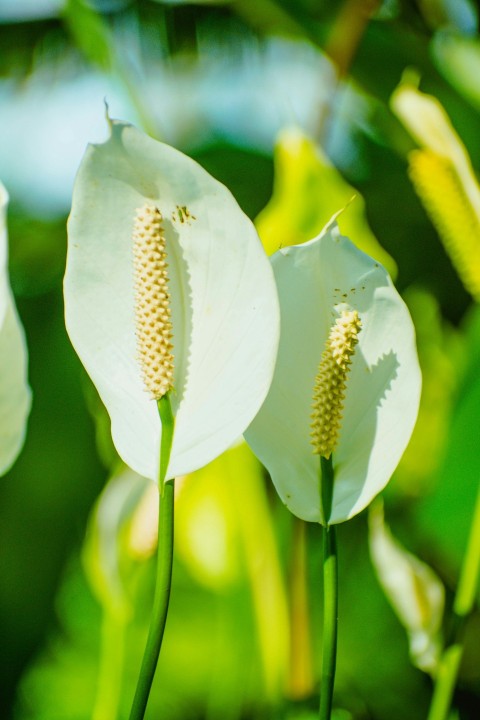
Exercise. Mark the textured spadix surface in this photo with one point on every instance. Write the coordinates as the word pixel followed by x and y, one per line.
pixel 316 282
pixel 224 304
pixel 14 390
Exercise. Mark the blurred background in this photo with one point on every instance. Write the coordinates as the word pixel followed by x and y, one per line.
pixel 287 102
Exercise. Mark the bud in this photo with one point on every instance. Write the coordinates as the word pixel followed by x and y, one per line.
pixel 152 302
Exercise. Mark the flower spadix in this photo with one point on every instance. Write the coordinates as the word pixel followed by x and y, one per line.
pixel 330 383
pixel 152 302
pixel 167 290
pixel 14 390
pixel 347 380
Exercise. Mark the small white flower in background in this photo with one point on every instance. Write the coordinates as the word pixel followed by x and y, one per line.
pixel 221 324
pixel 108 550
pixel 444 179
pixel 324 285
pixel 428 123
pixel 15 396
pixel 413 590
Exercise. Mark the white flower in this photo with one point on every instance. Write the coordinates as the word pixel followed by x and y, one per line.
pixel 412 588
pixel 320 282
pixel 223 301
pixel 14 391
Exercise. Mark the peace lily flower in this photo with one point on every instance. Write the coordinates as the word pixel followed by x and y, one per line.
pixel 412 588
pixel 114 546
pixel 347 378
pixel 14 390
pixel 167 289
pixel 443 177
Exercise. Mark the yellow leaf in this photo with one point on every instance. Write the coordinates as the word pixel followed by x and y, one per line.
pixel 308 191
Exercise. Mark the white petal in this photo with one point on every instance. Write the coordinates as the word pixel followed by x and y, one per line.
pixel 224 303
pixel 14 391
pixel 315 281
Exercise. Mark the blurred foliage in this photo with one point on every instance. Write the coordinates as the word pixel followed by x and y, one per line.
pixel 442 358
pixel 88 32
pixel 294 215
pixel 220 79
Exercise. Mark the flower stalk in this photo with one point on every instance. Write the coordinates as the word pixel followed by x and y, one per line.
pixel 164 567
pixel 330 620
pixel 330 594
pixel 462 607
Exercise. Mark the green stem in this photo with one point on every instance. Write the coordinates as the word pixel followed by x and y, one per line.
pixel 330 617
pixel 445 682
pixel 164 567
pixel 326 488
pixel 330 593
pixel 462 607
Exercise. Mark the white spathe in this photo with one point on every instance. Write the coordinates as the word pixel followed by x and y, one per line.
pixel 14 391
pixel 413 589
pixel 224 302
pixel 429 125
pixel 316 281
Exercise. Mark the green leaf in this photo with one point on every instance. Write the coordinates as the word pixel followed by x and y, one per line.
pixel 89 32
pixel 441 354
pixel 308 191
pixel 445 515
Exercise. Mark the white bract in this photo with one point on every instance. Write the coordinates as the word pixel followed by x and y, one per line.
pixel 224 306
pixel 444 179
pixel 14 390
pixel 317 282
pixel 116 535
pixel 428 123
pixel 412 588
